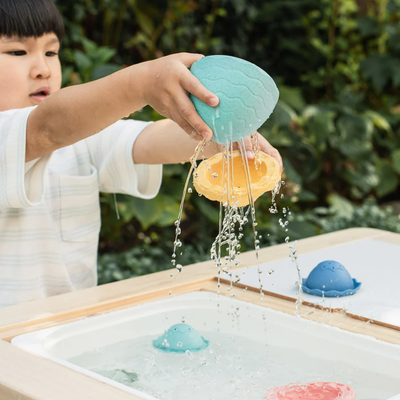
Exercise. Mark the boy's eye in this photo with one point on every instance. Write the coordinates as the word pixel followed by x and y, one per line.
pixel 18 53
pixel 51 53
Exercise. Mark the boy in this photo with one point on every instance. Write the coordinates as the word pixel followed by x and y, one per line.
pixel 58 148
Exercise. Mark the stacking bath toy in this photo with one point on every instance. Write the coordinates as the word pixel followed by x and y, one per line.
pixel 312 391
pixel 247 96
pixel 180 338
pixel 330 279
pixel 209 181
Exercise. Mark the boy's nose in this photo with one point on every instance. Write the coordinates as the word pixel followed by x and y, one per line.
pixel 40 69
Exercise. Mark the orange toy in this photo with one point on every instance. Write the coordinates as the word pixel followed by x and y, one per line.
pixel 211 183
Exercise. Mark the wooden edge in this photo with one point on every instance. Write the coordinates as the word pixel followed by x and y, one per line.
pixel 48 321
pixel 312 305
pixel 93 301
pixel 27 377
pixel 333 317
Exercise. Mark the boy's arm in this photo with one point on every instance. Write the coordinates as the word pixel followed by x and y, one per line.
pixel 164 142
pixel 77 112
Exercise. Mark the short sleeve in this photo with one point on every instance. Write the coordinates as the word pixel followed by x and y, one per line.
pixel 111 153
pixel 21 184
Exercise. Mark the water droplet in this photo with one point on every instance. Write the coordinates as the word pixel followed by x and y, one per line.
pixel 214 175
pixel 189 354
pixel 170 292
pixel 190 190
pixel 179 267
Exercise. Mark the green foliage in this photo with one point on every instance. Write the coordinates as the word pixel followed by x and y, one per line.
pixel 333 148
pixel 153 256
pixel 342 214
pixel 337 124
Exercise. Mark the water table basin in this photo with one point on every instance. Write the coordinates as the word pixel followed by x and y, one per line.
pixel 252 349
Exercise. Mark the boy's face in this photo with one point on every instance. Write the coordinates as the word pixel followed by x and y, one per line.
pixel 30 70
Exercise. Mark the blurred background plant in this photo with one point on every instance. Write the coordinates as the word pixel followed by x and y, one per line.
pixel 337 123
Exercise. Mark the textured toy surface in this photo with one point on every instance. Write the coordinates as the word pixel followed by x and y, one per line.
pixel 330 279
pixel 263 177
pixel 180 338
pixel 247 96
pixel 312 391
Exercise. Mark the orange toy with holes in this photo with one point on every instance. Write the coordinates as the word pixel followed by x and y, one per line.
pixel 264 175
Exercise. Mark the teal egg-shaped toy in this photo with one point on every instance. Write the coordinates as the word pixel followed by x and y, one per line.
pixel 180 338
pixel 247 96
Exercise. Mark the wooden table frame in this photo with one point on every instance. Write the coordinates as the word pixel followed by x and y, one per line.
pixel 26 376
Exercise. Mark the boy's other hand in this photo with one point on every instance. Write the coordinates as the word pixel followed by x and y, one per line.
pixel 264 146
pixel 166 85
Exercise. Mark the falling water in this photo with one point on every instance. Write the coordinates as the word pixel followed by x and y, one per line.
pixel 177 223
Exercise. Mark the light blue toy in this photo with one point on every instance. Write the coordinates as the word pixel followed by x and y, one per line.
pixel 180 338
pixel 247 96
pixel 330 279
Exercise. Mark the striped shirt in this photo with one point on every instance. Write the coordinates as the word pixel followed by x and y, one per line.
pixel 49 207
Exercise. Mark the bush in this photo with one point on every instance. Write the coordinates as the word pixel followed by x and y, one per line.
pixel 337 124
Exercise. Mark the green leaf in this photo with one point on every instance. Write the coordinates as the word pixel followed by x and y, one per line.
pixel 377 68
pixel 355 134
pixel 89 47
pixel 146 23
pixel 341 206
pixel 301 229
pixel 395 156
pixel 368 26
pixel 206 208
pixel 83 62
pixel 282 114
pixel 395 72
pixel 292 96
pixel 379 121
pixel 66 73
pixel 306 195
pixel 291 173
pixel 170 211
pixel 321 125
pixel 104 70
pixel 388 179
pixel 103 55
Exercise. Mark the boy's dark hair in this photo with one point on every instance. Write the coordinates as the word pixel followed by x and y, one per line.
pixel 27 18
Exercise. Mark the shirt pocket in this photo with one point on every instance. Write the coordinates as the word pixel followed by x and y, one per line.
pixel 80 207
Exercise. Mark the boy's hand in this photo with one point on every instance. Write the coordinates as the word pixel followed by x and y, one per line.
pixel 166 85
pixel 264 146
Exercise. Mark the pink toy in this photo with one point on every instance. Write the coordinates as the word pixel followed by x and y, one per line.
pixel 312 391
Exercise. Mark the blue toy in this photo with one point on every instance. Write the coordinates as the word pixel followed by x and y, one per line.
pixel 180 338
pixel 247 96
pixel 330 279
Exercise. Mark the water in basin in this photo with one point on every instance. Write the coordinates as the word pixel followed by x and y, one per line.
pixel 233 367
pixel 252 349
